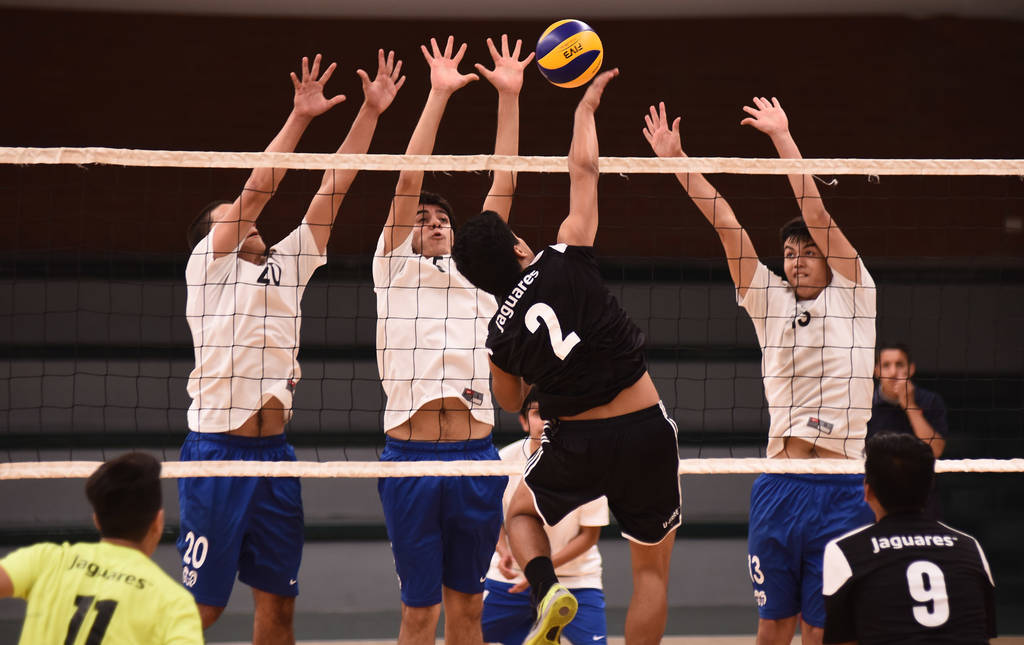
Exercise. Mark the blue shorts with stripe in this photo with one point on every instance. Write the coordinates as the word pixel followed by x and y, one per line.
pixel 251 527
pixel 792 518
pixel 442 529
pixel 508 616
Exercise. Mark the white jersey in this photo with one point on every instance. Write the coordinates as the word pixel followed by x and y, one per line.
pixel 245 321
pixel 817 359
pixel 431 331
pixel 582 572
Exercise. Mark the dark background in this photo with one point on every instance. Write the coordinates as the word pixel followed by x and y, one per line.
pixel 852 87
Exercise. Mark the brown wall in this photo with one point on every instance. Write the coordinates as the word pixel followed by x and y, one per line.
pixel 853 87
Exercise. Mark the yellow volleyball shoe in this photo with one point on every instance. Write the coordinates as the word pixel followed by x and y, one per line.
pixel 555 611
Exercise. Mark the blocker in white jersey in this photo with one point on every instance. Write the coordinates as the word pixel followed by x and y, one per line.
pixel 245 320
pixel 816 330
pixel 817 359
pixel 907 579
pixel 244 310
pixel 431 330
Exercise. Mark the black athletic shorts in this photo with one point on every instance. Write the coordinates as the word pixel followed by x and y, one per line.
pixel 632 459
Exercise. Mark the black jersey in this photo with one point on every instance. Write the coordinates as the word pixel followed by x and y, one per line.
pixel 907 579
pixel 563 331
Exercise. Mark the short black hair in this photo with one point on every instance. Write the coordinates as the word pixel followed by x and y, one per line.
pixel 483 252
pixel 125 495
pixel 795 229
pixel 200 226
pixel 433 199
pixel 900 346
pixel 531 398
pixel 900 469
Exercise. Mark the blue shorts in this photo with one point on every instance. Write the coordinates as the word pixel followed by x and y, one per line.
pixel 508 616
pixel 249 526
pixel 792 518
pixel 442 529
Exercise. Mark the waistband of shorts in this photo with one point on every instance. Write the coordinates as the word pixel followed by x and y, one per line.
pixel 469 445
pixel 224 439
pixel 824 480
pixel 653 412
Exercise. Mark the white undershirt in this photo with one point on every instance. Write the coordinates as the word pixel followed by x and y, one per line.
pixel 583 571
pixel 817 359
pixel 431 334
pixel 245 321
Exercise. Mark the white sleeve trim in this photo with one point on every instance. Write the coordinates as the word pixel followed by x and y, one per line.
pixel 836 569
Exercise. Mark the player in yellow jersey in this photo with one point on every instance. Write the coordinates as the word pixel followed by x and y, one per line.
pixel 106 592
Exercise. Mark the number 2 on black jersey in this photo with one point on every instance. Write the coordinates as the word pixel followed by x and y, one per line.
pixel 542 313
pixel 104 612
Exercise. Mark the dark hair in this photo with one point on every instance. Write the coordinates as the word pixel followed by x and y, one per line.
pixel 531 398
pixel 900 469
pixel 433 199
pixel 795 229
pixel 125 495
pixel 900 346
pixel 483 252
pixel 200 226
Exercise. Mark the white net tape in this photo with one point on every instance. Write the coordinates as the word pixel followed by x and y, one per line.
pixel 463 163
pixel 356 469
pixel 474 163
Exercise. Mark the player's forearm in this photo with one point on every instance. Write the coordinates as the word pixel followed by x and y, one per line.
pixel 924 430
pixel 583 151
pixel 506 143
pixel 356 142
pixel 586 538
pixel 804 188
pixel 422 141
pixel 264 181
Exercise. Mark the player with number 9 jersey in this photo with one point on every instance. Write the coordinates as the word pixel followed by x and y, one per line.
pixel 99 593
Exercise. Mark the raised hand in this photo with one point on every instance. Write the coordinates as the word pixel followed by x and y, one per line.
pixel 664 140
pixel 507 75
pixel 767 116
pixel 592 98
pixel 382 89
pixel 309 98
pixel 444 66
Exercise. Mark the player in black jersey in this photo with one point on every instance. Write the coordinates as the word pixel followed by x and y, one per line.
pixel 558 329
pixel 905 578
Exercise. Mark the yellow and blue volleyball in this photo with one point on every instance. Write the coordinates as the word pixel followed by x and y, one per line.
pixel 569 53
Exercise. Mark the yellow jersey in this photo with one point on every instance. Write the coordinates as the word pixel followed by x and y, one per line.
pixel 99 593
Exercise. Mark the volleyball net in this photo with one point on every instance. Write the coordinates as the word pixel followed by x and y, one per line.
pixel 97 352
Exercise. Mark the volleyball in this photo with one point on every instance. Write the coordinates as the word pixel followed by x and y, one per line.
pixel 569 53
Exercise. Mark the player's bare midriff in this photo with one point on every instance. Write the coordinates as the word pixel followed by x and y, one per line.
pixel 638 396
pixel 266 422
pixel 446 419
pixel 797 448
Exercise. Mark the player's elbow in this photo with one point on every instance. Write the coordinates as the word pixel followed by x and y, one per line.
pixel 581 166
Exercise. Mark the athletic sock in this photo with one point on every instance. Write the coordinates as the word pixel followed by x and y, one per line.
pixel 540 573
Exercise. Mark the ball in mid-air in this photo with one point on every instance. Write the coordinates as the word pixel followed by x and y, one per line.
pixel 569 53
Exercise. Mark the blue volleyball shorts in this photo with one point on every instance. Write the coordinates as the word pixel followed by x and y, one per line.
pixel 442 529
pixel 792 518
pixel 251 527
